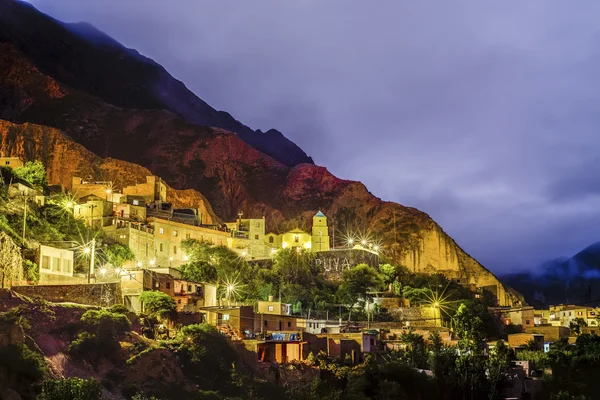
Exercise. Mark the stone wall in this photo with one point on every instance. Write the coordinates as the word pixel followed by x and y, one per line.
pixel 96 294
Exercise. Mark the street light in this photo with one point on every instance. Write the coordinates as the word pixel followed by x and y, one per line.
pixel 87 250
pixel 152 262
pixel 244 254
pixel 103 271
pixel 139 263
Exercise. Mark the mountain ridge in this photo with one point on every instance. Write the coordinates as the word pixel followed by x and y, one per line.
pixel 233 175
pixel 121 76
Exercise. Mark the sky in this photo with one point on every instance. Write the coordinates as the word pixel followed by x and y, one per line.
pixel 484 114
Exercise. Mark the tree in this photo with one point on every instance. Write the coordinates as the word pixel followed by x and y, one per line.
pixel 117 254
pixel 415 345
pixel 470 365
pixel 11 262
pixel 357 282
pixel 497 363
pixel 576 325
pixel 33 173
pixel 157 303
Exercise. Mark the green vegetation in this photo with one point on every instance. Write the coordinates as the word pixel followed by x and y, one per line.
pixel 157 304
pixel 71 389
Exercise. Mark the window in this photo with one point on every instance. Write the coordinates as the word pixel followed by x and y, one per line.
pixel 174 249
pixel 136 202
pixel 289 324
pixel 7 163
pixel 271 238
pixel 188 236
pixel 579 313
pixel 189 288
pixel 255 237
pixel 161 231
pixel 67 266
pixel 270 308
pixel 296 238
pixel 160 248
pixel 45 262
pixel 320 233
pixel 592 313
pixel 257 224
pixel 225 317
pixel 168 285
pixel 56 264
pixel 526 322
pixel 266 322
pixel 174 233
pixel 179 301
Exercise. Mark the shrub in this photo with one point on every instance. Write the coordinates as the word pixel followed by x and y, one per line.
pixel 21 361
pixel 158 303
pixel 71 389
pixel 119 309
pixel 106 323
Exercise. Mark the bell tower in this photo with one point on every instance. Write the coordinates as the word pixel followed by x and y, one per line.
pixel 320 233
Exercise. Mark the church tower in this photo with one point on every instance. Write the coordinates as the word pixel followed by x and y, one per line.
pixel 320 233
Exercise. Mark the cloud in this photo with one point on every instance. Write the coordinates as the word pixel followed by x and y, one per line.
pixel 483 114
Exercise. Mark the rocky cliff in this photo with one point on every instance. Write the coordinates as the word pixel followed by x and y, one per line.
pixel 64 158
pixel 232 174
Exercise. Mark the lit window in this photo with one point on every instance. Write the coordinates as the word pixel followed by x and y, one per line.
pixel 160 248
pixel 270 308
pixel 225 317
pixel 296 238
pixel 257 224
pixel 136 202
pixel 161 231
pixel 174 249
pixel 256 237
pixel 271 238
pixel 174 233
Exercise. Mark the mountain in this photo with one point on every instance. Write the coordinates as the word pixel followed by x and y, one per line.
pixel 88 60
pixel 233 174
pixel 574 280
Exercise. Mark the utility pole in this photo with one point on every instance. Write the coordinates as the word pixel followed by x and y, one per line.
pixel 92 259
pixel 24 215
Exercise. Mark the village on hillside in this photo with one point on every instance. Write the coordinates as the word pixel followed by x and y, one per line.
pixel 159 242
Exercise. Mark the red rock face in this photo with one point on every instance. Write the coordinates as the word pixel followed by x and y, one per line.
pixel 231 174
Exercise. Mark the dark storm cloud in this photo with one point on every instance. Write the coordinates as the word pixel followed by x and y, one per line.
pixel 482 113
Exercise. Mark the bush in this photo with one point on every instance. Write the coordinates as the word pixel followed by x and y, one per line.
pixel 119 309
pixel 158 303
pixel 32 273
pixel 106 323
pixel 71 389
pixel 22 362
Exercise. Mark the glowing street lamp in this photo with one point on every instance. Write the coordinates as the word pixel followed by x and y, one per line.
pixel 103 271
pixel 363 242
pixel 152 262
pixel 87 250
pixel 244 254
pixel 118 270
pixel 186 258
pixel 139 263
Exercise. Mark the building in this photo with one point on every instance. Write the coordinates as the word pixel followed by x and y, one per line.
pixel 273 307
pixel 139 238
pixel 154 189
pixel 317 326
pixel 55 265
pixel 563 315
pixel 516 340
pixel 168 236
pixel 550 333
pixel 189 296
pixel 316 241
pixel 234 321
pixel 247 237
pixel 11 162
pixel 94 211
pixel 320 233
pixel 521 316
pixel 130 208
pixel 82 188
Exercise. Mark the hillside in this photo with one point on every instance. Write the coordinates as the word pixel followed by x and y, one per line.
pixel 232 174
pixel 88 60
pixel 64 158
pixel 574 280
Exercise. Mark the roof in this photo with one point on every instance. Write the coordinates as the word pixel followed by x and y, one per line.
pixel 297 230
pixel 320 214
